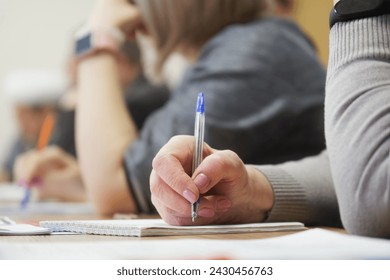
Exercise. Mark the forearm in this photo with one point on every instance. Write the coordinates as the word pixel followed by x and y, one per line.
pixel 104 131
pixel 357 123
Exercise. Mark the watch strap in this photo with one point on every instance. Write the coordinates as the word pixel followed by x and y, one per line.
pixel 89 42
pixel 366 8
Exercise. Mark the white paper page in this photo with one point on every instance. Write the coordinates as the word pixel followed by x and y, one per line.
pixel 310 244
pixel 22 229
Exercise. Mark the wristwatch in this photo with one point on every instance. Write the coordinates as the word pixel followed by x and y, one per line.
pixel 346 10
pixel 91 41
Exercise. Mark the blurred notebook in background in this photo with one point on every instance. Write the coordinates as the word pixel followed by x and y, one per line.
pixel 22 229
pixel 10 227
pixel 11 196
pixel 10 192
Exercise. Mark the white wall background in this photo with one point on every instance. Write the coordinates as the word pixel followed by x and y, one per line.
pixel 34 33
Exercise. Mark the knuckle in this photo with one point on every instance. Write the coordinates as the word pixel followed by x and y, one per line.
pixel 55 151
pixel 179 139
pixel 159 161
pixel 230 159
pixel 156 187
pixel 155 202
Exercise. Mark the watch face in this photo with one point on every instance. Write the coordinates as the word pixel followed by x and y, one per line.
pixel 356 7
pixel 83 44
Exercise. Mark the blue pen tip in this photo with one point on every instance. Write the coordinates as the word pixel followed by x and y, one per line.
pixel 200 103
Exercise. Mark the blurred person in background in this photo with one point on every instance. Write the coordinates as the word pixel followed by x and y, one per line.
pixel 33 93
pixel 56 166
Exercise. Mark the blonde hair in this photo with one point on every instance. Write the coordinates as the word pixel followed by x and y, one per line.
pixel 190 23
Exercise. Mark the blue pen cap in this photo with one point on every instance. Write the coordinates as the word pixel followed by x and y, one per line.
pixel 200 103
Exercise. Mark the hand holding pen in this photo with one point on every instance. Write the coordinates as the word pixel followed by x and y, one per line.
pixel 52 172
pixel 230 192
pixel 43 140
pixel 187 190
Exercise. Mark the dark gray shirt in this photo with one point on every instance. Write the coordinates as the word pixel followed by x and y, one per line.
pixel 264 96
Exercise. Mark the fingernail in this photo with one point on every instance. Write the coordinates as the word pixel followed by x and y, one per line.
pixel 202 182
pixel 190 196
pixel 206 212
pixel 223 204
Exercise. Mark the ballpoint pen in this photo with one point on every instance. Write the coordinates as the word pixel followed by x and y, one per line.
pixel 199 136
pixel 43 140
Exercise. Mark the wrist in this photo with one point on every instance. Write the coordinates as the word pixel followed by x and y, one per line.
pixel 263 196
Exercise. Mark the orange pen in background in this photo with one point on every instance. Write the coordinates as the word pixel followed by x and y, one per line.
pixel 46 131
pixel 43 140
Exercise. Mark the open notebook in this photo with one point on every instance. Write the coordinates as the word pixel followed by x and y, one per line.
pixel 157 227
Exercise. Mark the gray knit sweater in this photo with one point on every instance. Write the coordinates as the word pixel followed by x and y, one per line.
pixel 357 122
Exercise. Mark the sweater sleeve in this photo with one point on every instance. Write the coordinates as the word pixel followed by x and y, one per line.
pixel 303 191
pixel 357 122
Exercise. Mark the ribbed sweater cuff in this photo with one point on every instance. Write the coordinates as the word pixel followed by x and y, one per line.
pixel 359 39
pixel 289 196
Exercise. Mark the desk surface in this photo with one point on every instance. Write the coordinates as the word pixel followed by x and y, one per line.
pixel 84 238
pixel 307 244
pixel 323 243
pixel 39 211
